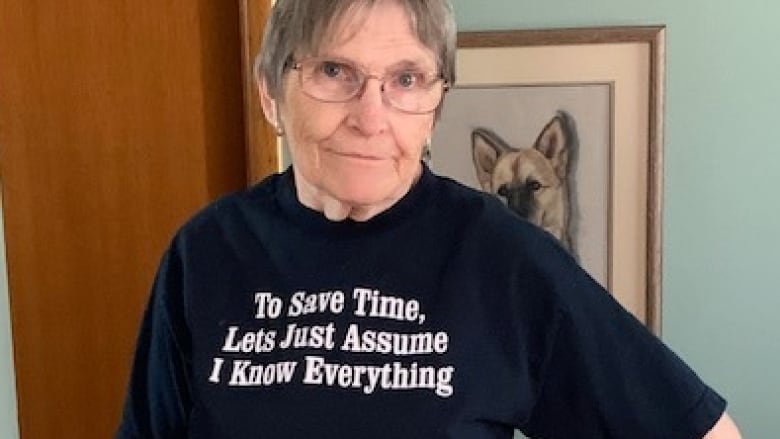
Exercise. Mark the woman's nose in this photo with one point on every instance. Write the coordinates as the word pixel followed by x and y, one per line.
pixel 369 109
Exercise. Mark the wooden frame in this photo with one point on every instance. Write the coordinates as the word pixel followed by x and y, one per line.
pixel 629 61
pixel 263 154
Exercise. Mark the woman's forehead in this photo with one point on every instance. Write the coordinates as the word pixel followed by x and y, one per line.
pixel 383 30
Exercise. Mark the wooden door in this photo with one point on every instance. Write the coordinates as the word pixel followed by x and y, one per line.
pixel 118 119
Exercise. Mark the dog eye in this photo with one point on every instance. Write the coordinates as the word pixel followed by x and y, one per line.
pixel 533 185
pixel 503 190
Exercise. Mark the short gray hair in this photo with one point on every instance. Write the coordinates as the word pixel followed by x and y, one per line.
pixel 296 25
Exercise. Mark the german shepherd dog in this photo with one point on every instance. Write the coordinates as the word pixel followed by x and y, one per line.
pixel 537 183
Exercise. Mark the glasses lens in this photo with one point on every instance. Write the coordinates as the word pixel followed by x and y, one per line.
pixel 413 92
pixel 329 81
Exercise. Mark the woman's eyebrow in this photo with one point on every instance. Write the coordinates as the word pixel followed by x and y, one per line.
pixel 419 63
pixel 410 64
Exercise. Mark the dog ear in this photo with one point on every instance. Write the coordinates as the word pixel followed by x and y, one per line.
pixel 553 143
pixel 485 151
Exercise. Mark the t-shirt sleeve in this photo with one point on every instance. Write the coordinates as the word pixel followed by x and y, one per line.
pixel 606 375
pixel 158 398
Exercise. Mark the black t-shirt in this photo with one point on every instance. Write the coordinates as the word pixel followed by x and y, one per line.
pixel 445 316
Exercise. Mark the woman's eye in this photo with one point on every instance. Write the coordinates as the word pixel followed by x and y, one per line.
pixel 331 69
pixel 408 79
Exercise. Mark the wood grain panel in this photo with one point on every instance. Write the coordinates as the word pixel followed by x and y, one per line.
pixel 262 150
pixel 117 121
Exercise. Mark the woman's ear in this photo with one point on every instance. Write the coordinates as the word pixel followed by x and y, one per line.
pixel 268 103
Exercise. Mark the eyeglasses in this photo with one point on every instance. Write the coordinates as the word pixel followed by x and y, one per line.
pixel 407 90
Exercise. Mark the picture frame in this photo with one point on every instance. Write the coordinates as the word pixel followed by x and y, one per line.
pixel 262 147
pixel 506 79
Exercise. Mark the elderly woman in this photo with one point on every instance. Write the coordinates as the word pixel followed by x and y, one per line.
pixel 357 295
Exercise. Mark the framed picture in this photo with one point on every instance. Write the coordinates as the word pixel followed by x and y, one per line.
pixel 566 126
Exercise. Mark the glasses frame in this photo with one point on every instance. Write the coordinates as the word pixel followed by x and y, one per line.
pixel 297 65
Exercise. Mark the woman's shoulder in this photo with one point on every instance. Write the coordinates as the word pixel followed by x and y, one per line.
pixel 484 212
pixel 232 209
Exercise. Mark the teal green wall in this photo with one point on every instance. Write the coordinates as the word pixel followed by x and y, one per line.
pixel 9 428
pixel 721 214
pixel 721 298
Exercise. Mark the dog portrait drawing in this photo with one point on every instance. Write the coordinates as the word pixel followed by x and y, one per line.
pixel 537 181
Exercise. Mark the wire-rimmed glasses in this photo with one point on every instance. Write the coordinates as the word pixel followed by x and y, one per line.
pixel 406 89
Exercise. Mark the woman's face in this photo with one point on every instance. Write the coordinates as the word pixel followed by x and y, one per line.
pixel 362 152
